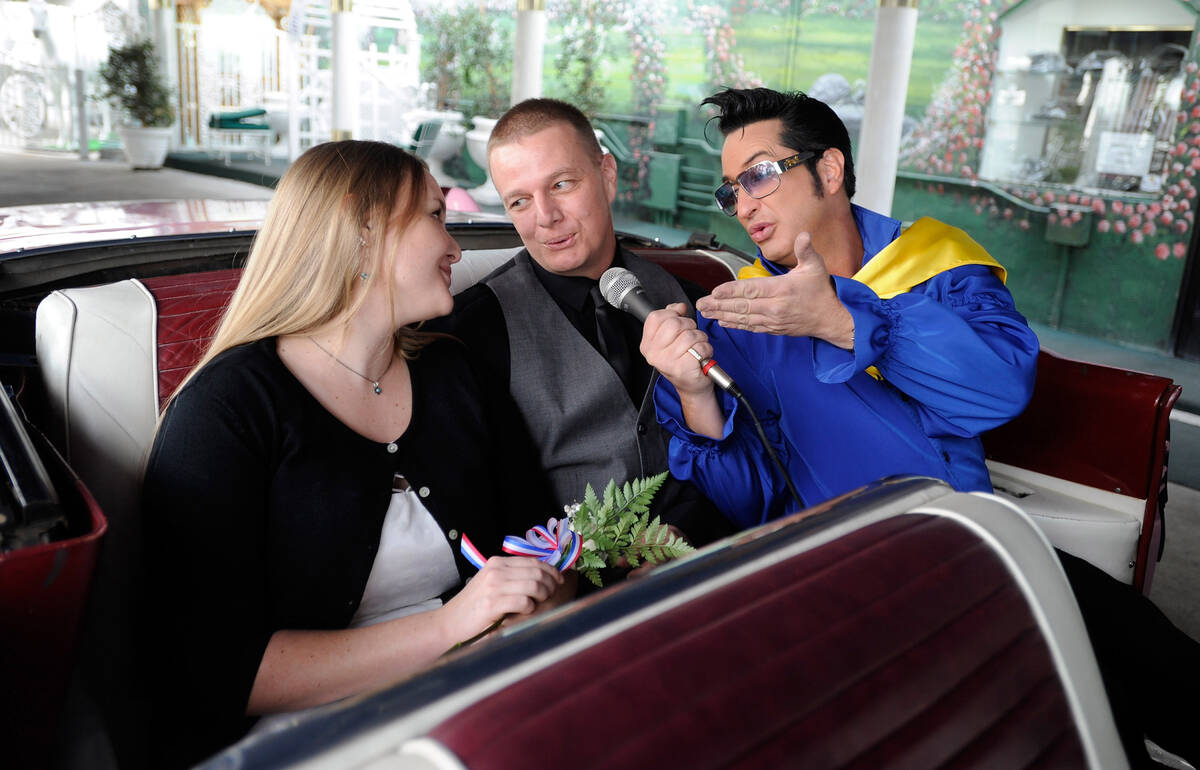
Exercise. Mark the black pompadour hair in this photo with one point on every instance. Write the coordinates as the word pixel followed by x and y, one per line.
pixel 808 124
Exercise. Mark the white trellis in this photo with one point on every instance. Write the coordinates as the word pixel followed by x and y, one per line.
pixel 390 78
pixel 241 62
pixel 309 57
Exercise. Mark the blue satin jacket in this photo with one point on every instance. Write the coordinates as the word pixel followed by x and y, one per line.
pixel 956 357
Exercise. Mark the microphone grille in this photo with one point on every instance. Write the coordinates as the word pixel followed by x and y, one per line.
pixel 616 283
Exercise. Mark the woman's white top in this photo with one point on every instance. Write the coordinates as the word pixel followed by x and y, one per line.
pixel 413 566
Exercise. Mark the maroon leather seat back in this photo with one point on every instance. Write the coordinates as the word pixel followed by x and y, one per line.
pixel 1087 423
pixel 704 271
pixel 903 644
pixel 1099 426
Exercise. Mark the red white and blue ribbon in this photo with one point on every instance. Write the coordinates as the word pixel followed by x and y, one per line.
pixel 471 553
pixel 556 544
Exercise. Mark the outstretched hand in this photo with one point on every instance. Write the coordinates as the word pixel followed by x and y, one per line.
pixel 799 303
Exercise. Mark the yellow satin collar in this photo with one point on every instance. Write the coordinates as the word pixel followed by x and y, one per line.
pixel 928 247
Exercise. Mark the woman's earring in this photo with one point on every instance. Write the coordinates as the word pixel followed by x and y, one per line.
pixel 362 241
pixel 364 276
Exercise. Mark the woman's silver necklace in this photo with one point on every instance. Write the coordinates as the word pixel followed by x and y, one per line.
pixel 373 382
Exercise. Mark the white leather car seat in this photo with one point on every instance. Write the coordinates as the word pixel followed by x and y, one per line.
pixel 97 350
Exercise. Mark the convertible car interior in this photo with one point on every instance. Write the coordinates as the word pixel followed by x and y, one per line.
pixel 905 624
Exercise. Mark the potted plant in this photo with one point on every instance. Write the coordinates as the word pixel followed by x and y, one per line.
pixel 134 84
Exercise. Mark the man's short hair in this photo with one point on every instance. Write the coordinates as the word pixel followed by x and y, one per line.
pixel 534 115
pixel 808 124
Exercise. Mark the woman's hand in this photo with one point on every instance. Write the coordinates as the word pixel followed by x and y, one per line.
pixel 507 585
pixel 306 668
pixel 563 594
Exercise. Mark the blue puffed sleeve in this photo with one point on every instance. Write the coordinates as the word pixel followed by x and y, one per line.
pixel 955 344
pixel 732 471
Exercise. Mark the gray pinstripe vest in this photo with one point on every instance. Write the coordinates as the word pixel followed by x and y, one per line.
pixel 578 411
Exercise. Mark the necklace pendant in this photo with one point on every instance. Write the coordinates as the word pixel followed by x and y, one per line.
pixel 378 389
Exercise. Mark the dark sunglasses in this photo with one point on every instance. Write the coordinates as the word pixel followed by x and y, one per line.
pixel 759 181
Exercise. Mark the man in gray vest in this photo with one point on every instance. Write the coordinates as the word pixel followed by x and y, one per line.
pixel 539 324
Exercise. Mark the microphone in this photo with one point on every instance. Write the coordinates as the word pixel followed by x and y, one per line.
pixel 622 290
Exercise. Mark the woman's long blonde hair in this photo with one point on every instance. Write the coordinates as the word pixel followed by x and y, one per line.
pixel 325 229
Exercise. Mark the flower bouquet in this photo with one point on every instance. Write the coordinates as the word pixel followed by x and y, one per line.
pixel 615 531
pixel 618 529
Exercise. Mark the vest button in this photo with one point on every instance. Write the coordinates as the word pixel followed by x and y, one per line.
pixel 423 491
pixel 453 534
pixel 641 428
pixel 392 448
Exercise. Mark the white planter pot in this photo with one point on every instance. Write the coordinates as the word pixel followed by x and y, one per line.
pixel 145 147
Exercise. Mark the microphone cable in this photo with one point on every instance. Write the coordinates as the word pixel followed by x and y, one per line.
pixel 770 450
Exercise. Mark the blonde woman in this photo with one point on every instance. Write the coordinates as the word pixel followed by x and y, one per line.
pixel 310 483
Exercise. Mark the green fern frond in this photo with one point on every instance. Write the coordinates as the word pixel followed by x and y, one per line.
pixel 619 528
pixel 590 502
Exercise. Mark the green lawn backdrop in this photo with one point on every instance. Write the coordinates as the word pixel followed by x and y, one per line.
pixel 784 52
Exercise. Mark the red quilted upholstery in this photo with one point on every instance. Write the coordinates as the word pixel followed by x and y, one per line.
pixel 905 644
pixel 189 309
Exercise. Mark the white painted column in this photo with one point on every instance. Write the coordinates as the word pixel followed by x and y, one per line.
pixel 345 58
pixel 528 50
pixel 883 113
pixel 162 18
pixel 79 114
pixel 290 81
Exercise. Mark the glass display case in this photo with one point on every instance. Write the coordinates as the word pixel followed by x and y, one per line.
pixel 1094 117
